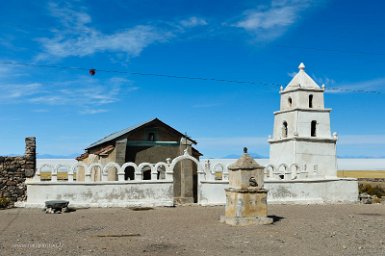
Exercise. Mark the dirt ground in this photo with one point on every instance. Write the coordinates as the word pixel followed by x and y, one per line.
pixel 355 229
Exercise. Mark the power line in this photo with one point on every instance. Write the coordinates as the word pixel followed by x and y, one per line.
pixel 139 73
pixel 329 89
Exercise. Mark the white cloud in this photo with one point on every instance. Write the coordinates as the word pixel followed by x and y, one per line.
pixel 270 22
pixel 291 74
pixel 369 86
pixel 89 98
pixel 9 70
pixel 16 92
pixel 87 95
pixel 193 22
pixel 130 41
pixel 76 37
pixel 90 111
pixel 68 16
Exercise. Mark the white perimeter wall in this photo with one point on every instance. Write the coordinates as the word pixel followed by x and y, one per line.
pixel 290 192
pixel 102 194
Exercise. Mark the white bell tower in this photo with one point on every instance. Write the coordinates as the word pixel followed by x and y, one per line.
pixel 301 132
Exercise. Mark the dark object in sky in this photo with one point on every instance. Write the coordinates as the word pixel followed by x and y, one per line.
pixel 92 71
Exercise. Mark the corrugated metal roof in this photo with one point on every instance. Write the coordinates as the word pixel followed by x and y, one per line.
pixel 116 135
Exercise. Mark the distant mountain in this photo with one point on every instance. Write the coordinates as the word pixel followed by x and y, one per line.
pixel 235 156
pixel 49 156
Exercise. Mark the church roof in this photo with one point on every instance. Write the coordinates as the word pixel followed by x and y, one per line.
pixel 302 80
pixel 116 135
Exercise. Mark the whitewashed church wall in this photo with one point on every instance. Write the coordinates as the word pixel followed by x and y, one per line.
pixel 212 192
pixel 102 194
pixel 304 124
pixel 317 102
pixel 285 103
pixel 278 155
pixel 309 191
pixel 290 118
pixel 320 156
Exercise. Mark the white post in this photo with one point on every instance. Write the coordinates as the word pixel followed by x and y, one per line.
pixel 154 174
pixel 121 175
pixel 138 174
pixel 54 176
pixel 104 176
pixel 169 172
pixel 87 174
pixel 70 175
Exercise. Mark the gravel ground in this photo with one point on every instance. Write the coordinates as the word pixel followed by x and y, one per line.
pixel 193 230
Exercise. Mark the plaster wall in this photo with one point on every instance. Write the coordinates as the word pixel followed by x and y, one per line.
pixel 279 118
pixel 319 157
pixel 300 99
pixel 102 194
pixel 282 153
pixel 310 191
pixel 304 119
pixel 152 154
pixel 300 121
pixel 316 156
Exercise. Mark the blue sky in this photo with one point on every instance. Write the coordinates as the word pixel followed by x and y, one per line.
pixel 47 48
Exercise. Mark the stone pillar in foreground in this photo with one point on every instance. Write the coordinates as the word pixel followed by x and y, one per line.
pixel 246 199
pixel 30 157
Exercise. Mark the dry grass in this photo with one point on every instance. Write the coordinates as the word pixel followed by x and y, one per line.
pixel 361 174
pixel 60 176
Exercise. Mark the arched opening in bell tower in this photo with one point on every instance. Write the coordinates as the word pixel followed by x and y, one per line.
pixel 311 101
pixel 284 129
pixel 313 131
pixel 290 101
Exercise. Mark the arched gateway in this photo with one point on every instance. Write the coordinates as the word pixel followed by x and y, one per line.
pixel 185 178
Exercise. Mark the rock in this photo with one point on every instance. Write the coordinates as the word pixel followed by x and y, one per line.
pixel 365 198
pixel 29 173
pixel 11 183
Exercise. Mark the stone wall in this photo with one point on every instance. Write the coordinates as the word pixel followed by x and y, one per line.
pixel 14 171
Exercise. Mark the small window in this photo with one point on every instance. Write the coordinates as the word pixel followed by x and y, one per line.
pixel 290 101
pixel 284 129
pixel 151 136
pixel 311 101
pixel 313 128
